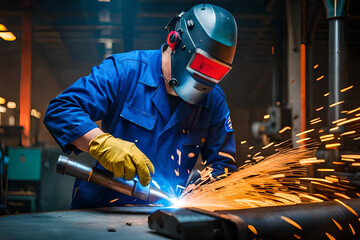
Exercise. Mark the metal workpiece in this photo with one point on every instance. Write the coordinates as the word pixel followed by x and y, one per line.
pixel 132 188
pixel 325 220
pixel 194 224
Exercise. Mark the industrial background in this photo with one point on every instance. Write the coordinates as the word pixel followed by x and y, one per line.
pixel 280 76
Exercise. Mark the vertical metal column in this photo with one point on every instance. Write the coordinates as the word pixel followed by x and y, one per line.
pixel 337 13
pixel 25 79
pixel 337 73
pixel 294 38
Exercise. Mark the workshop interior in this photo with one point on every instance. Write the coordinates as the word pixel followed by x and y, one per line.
pixel 294 98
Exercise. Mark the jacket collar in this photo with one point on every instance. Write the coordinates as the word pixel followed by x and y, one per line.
pixel 154 72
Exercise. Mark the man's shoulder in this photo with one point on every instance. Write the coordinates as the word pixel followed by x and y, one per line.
pixel 215 97
pixel 136 55
pixel 216 94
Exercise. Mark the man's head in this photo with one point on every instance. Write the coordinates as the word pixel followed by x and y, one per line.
pixel 203 43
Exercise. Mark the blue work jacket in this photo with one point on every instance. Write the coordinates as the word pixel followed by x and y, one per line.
pixel 127 93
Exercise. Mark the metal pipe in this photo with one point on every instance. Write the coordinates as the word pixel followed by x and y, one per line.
pixel 325 220
pixel 337 68
pixel 131 188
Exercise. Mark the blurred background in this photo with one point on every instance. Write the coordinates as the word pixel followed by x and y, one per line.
pixel 47 45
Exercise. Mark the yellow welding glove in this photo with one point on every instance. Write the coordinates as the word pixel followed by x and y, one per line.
pixel 121 157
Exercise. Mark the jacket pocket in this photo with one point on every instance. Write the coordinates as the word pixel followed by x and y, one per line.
pixel 138 117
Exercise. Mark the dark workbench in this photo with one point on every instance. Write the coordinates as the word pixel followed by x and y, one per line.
pixel 101 223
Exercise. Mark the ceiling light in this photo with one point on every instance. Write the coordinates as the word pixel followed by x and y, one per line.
pixel 2 27
pixel 2 109
pixel 11 105
pixel 7 36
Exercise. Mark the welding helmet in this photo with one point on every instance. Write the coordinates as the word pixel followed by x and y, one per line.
pixel 203 43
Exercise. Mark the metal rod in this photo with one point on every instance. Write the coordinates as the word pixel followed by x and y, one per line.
pixel 132 188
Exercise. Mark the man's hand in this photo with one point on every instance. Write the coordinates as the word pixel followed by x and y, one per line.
pixel 121 157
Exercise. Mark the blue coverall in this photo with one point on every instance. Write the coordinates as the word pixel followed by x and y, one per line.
pixel 127 93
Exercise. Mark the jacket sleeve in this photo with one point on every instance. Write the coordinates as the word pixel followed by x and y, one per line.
pixel 220 149
pixel 74 112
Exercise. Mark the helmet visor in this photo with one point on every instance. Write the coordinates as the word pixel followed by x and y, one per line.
pixel 203 65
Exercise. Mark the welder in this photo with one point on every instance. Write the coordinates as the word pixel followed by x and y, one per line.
pixel 159 109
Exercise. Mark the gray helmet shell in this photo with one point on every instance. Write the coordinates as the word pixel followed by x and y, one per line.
pixel 211 29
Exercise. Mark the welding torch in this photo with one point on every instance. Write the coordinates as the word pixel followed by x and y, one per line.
pixel 132 188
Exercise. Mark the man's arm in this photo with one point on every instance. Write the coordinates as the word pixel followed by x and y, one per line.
pixel 82 142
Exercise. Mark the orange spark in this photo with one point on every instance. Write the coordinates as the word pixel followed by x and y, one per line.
pixel 319 109
pixel 339 120
pixel 315 122
pixel 337 224
pixel 292 222
pixel 347 88
pixel 270 144
pixel 316 66
pixel 347 159
pixel 297 236
pixel 327 136
pixel 310 197
pixel 326 139
pixel 332 179
pixel 326 94
pixel 257 154
pixel 90 175
pixel 333 129
pixel 347 207
pixel 337 103
pixel 317 179
pixel 329 236
pixel 305 132
pixel 114 200
pixel 354 110
pixel 267 116
pixel 284 129
pixel 350 156
pixel 223 154
pixel 243 142
pixel 332 145
pixel 319 78
pixel 302 140
pixel 311 161
pixel 326 170
pixel 252 229
pixel 352 229
pixel 315 119
pixel 342 195
pixel 348 121
pixel 348 133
